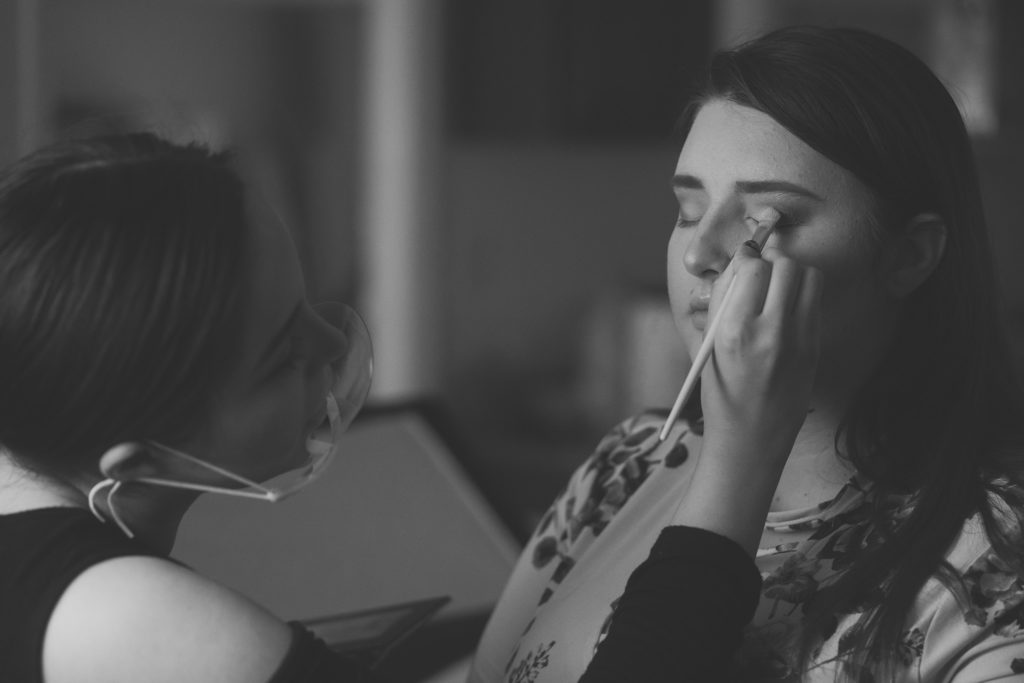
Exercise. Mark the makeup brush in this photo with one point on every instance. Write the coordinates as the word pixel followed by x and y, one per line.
pixel 766 221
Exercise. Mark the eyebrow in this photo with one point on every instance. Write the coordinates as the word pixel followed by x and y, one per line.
pixel 689 182
pixel 279 336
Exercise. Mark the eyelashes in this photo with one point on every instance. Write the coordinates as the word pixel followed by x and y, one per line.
pixel 783 222
pixel 682 222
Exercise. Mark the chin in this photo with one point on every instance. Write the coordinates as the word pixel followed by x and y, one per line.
pixel 283 458
pixel 297 455
pixel 691 339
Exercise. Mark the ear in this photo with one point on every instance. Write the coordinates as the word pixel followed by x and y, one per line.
pixel 125 461
pixel 914 254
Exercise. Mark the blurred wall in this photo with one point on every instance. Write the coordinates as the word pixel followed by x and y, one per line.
pixel 558 202
pixel 279 81
pixel 182 66
pixel 8 79
pixel 538 235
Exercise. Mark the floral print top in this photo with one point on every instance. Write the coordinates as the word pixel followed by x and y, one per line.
pixel 560 599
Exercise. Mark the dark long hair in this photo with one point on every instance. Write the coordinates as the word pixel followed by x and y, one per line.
pixel 120 263
pixel 938 419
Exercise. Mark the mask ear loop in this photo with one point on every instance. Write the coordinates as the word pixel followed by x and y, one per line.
pixel 114 487
pixel 113 510
pixel 92 498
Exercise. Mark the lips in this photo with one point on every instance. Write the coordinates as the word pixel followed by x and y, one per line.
pixel 700 301
pixel 320 414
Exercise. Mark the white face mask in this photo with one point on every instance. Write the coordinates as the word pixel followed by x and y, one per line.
pixel 351 383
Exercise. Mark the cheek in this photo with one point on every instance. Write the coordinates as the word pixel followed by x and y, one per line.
pixel 853 306
pixel 267 430
pixel 846 259
pixel 850 309
pixel 680 287
pixel 680 282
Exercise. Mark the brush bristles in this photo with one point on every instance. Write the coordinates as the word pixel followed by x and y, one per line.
pixel 766 221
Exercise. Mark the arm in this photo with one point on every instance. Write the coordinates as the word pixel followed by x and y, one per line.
pixel 683 611
pixel 147 619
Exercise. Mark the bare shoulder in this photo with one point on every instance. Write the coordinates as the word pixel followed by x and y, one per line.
pixel 144 618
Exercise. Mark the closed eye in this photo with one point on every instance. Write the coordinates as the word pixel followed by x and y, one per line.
pixel 682 221
pixel 787 221
pixel 783 221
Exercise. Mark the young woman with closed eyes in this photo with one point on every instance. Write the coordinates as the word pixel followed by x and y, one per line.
pixel 866 449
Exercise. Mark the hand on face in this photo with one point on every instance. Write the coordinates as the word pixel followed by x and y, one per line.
pixel 756 389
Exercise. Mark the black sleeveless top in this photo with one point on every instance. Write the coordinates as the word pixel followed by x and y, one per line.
pixel 43 551
pixel 660 633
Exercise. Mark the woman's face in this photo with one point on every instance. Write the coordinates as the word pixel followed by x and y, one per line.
pixel 735 163
pixel 277 391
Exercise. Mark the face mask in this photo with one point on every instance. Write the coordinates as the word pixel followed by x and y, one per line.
pixel 349 385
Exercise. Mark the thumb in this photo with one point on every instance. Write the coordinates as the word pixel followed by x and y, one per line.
pixel 748 251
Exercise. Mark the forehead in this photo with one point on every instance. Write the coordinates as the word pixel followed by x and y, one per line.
pixel 729 142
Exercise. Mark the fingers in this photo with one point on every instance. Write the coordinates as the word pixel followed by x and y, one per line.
pixel 750 285
pixel 749 278
pixel 777 290
pixel 761 374
pixel 784 288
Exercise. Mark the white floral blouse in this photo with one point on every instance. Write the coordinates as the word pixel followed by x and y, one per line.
pixel 561 596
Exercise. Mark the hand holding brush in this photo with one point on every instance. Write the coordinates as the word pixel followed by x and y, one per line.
pixel 766 221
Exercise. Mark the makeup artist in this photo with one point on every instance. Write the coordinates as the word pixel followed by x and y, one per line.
pixel 869 457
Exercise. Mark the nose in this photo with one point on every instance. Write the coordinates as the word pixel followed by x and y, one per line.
pixel 328 348
pixel 712 244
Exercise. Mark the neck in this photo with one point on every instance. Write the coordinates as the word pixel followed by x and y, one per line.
pixel 813 473
pixel 152 514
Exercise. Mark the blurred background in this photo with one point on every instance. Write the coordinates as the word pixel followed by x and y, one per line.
pixel 487 181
